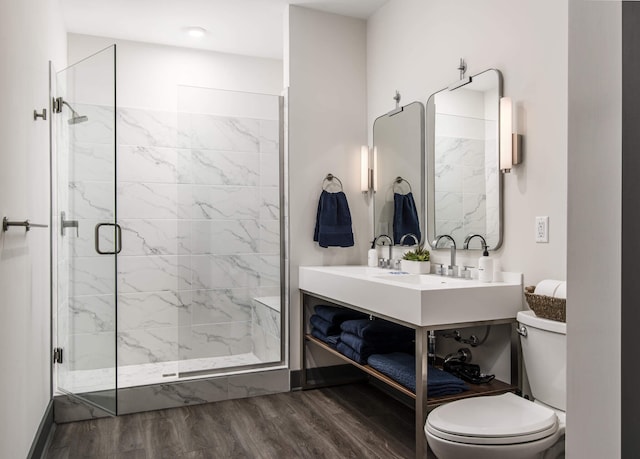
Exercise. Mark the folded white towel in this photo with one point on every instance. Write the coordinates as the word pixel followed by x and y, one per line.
pixel 547 287
pixel 561 291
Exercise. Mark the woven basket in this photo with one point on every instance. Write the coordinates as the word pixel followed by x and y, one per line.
pixel 546 307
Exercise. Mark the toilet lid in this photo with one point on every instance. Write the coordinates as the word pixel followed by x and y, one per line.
pixel 499 419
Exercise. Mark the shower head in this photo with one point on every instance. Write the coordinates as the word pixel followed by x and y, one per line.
pixel 75 117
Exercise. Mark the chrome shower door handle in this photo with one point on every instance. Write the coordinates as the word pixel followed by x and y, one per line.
pixel 118 238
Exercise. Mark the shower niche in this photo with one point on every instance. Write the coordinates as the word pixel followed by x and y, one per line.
pixel 168 251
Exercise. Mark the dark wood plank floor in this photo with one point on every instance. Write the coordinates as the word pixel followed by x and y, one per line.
pixel 353 421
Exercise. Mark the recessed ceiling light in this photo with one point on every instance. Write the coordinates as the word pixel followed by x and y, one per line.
pixel 195 31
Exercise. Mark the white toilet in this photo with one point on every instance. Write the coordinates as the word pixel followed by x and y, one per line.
pixel 507 426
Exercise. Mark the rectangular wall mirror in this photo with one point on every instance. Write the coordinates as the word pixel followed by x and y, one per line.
pixel 398 139
pixel 464 185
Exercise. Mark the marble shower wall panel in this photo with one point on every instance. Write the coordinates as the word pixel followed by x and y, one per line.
pixel 217 340
pixel 222 133
pixel 270 143
pixel 147 200
pixel 269 236
pixel 152 310
pixel 92 162
pixel 266 332
pixel 149 164
pixel 198 202
pixel 148 128
pixel 148 346
pixel 222 203
pixel 90 351
pixel 225 271
pixel 97 130
pixel 221 306
pixel 142 237
pixel 225 237
pixel 93 313
pixel 215 167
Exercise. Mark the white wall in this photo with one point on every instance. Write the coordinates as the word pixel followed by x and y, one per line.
pixel 594 226
pixel 148 74
pixel 327 125
pixel 414 46
pixel 31 34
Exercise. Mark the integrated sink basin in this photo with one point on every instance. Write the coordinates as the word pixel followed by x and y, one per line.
pixel 416 299
pixel 420 279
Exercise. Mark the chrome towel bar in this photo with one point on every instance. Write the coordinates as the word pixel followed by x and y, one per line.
pixel 27 225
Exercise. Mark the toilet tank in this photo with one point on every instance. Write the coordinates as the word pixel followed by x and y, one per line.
pixel 544 351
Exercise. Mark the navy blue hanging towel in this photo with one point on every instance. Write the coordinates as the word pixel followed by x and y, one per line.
pixel 405 217
pixel 333 221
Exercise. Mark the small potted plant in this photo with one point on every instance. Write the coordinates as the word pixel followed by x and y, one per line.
pixel 416 261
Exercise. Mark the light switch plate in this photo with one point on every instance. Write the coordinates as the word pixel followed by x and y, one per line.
pixel 542 229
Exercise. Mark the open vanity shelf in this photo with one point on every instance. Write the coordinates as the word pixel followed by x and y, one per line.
pixel 495 387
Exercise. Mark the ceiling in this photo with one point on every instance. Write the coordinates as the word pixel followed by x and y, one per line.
pixel 248 27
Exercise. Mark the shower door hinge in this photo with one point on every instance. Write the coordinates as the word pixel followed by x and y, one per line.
pixel 57 355
pixel 57 105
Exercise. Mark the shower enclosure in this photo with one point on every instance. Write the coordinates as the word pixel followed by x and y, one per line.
pixel 168 251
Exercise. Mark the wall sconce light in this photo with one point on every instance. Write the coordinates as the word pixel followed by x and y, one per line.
pixel 510 143
pixel 368 169
pixel 365 175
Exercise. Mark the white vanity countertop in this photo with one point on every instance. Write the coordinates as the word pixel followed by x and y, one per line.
pixel 421 300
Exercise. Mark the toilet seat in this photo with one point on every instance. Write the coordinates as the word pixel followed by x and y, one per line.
pixel 492 420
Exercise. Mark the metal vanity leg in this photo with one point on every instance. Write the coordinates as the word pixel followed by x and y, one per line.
pixel 303 343
pixel 421 392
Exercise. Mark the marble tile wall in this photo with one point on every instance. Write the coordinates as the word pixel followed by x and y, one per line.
pixel 267 328
pixel 198 203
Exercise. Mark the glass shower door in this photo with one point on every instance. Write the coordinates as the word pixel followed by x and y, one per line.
pixel 87 236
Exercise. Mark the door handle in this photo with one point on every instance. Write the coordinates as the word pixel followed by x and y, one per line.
pixel 118 238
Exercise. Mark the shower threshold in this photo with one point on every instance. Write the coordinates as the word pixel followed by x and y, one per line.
pixel 81 381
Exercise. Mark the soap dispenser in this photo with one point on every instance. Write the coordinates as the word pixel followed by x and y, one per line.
pixel 485 266
pixel 372 255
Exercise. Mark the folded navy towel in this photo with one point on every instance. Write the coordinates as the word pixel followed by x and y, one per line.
pixel 381 346
pixel 333 221
pixel 331 340
pixel 378 329
pixel 337 315
pixel 351 353
pixel 401 367
pixel 405 217
pixel 324 326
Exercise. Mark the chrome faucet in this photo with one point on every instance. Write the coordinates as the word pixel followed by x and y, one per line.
pixel 375 241
pixel 415 238
pixel 471 236
pixel 452 266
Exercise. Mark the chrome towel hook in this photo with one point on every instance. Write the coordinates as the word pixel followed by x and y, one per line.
pixel 42 115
